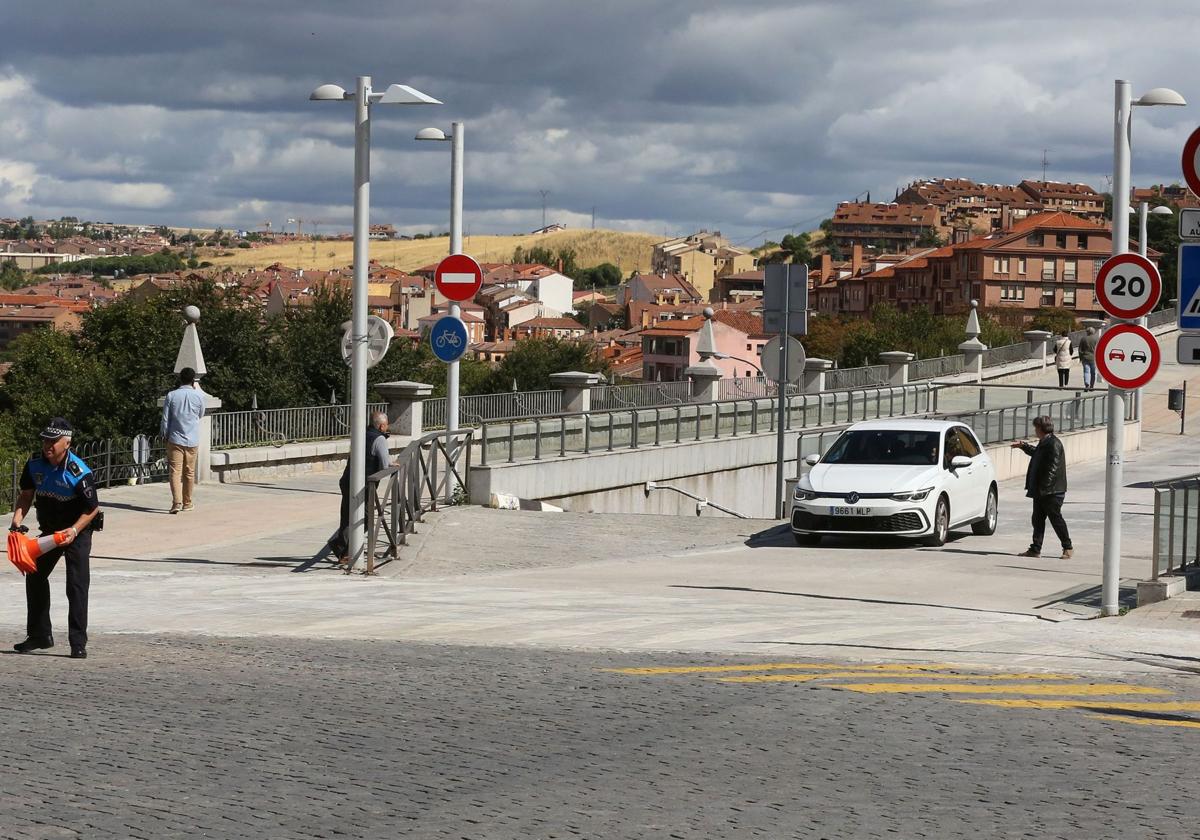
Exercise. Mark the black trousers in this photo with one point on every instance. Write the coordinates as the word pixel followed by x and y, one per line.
pixel 79 576
pixel 1049 507
pixel 340 546
pixel 1063 375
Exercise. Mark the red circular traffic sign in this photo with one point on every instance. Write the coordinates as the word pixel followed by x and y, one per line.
pixel 1190 163
pixel 458 277
pixel 1128 286
pixel 1128 356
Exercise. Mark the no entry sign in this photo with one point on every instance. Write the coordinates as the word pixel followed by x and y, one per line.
pixel 458 277
pixel 1128 286
pixel 1128 356
pixel 1190 164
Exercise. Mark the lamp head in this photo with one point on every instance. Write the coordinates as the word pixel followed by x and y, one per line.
pixel 1161 96
pixel 1162 210
pixel 431 134
pixel 328 93
pixel 405 95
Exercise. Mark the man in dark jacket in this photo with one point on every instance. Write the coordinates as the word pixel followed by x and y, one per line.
pixel 378 458
pixel 1046 484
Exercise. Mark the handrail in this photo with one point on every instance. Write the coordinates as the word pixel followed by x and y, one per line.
pixel 399 496
pixel 1176 525
pixel 701 502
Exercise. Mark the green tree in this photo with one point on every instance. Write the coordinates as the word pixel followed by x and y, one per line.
pixel 798 248
pixel 1054 319
pixel 603 276
pixel 12 277
pixel 930 238
pixel 533 360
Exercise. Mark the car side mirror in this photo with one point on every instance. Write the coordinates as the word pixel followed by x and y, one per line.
pixel 812 460
pixel 959 462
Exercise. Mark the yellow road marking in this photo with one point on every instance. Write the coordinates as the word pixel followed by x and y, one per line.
pixel 866 674
pixel 1134 706
pixel 1140 721
pixel 771 666
pixel 930 688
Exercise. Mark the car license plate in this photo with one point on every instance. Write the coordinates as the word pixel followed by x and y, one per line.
pixel 835 510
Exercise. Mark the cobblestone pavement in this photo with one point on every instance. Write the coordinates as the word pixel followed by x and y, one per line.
pixel 203 737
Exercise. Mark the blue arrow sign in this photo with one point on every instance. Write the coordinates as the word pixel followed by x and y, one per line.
pixel 448 338
pixel 1189 286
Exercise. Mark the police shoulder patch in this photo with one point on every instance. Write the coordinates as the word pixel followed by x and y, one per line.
pixel 73 467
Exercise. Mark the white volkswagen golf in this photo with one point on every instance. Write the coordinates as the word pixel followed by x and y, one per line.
pixel 912 478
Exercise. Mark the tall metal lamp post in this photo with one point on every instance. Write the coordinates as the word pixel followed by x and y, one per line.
pixel 363 98
pixel 1114 471
pixel 456 211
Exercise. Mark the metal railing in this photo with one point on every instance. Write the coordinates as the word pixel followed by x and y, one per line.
pixel 478 408
pixel 936 367
pixel 1006 354
pixel 640 395
pixel 278 426
pixel 1161 317
pixel 1176 526
pixel 620 429
pixel 859 377
pixel 739 387
pixel 1085 410
pixel 398 497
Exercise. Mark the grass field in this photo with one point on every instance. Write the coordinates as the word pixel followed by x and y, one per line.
pixel 628 251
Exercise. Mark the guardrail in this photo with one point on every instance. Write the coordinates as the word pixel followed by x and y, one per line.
pixel 1161 317
pixel 398 497
pixel 936 367
pixel 279 426
pixel 1176 526
pixel 1006 354
pixel 477 408
pixel 859 377
pixel 642 394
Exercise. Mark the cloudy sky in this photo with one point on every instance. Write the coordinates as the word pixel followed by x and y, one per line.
pixel 663 115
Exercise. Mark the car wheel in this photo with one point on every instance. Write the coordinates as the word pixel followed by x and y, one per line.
pixel 807 539
pixel 941 524
pixel 987 526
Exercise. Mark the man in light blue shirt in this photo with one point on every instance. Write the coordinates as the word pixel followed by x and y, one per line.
pixel 183 409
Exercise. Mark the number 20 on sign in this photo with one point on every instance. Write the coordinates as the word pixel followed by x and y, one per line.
pixel 1128 286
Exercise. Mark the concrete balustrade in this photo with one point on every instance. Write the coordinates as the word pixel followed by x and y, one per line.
pixel 813 380
pixel 1038 341
pixel 576 387
pixel 897 363
pixel 404 409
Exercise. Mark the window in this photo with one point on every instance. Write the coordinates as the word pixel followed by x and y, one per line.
pixel 953 448
pixel 1012 291
pixel 748 347
pixel 1060 241
pixel 1069 267
pixel 1048 269
pixel 1069 296
pixel 1081 242
pixel 1047 297
pixel 1034 239
pixel 1000 266
pixel 1022 264
pixel 970 447
pixel 884 446
pixel 1096 266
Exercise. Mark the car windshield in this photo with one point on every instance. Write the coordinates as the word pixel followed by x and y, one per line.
pixel 884 446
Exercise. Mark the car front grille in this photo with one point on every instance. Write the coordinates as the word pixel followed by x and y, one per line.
pixel 897 523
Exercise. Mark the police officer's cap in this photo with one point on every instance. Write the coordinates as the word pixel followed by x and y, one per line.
pixel 57 427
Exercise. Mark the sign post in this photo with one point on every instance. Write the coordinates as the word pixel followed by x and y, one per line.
pixel 785 311
pixel 458 278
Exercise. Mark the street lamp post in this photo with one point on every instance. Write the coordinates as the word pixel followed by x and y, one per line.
pixel 363 97
pixel 1114 469
pixel 456 202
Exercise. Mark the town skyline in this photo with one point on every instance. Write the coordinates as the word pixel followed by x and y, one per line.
pixel 663 127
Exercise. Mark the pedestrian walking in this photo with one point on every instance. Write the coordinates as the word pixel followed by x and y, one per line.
pixel 183 408
pixel 1062 358
pixel 1087 357
pixel 1046 484
pixel 61 486
pixel 379 457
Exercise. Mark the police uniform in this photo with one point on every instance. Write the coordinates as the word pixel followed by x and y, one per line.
pixel 61 495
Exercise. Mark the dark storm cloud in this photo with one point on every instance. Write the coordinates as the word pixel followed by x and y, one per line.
pixel 742 115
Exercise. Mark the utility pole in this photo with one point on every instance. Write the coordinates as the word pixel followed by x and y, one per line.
pixel 544 194
pixel 593 217
pixel 1045 163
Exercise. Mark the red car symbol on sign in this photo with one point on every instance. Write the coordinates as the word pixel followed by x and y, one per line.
pixel 1116 354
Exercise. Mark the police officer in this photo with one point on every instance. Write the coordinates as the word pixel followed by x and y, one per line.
pixel 63 489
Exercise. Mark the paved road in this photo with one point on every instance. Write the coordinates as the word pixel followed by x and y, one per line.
pixel 182 737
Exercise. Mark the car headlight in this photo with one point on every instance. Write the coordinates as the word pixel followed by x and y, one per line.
pixel 915 496
pixel 802 495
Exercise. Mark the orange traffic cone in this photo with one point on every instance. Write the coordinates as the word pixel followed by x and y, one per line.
pixel 24 550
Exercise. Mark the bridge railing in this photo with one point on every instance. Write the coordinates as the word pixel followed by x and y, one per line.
pixel 936 367
pixel 427 470
pixel 1161 317
pixel 477 408
pixel 1176 526
pixel 279 426
pixel 1006 354
pixel 859 377
pixel 640 395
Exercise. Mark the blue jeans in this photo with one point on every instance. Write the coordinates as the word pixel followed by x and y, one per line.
pixel 1089 373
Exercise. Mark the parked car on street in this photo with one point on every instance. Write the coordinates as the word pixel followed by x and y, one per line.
pixel 912 478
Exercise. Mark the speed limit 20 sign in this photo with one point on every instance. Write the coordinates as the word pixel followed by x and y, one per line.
pixel 1128 286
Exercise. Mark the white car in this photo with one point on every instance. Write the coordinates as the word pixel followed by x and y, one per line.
pixel 912 478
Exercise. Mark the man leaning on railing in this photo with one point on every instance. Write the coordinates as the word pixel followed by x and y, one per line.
pixel 378 458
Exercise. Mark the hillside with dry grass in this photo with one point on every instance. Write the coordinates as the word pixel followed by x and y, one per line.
pixel 627 251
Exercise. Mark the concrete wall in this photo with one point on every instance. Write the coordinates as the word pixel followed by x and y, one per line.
pixel 253 463
pixel 737 473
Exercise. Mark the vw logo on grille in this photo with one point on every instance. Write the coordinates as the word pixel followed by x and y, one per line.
pixel 852 499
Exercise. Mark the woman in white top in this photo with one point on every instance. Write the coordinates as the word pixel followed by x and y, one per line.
pixel 1062 358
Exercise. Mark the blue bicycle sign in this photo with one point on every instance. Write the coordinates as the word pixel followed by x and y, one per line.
pixel 448 338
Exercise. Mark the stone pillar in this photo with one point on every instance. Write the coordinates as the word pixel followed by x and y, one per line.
pixel 404 408
pixel 897 362
pixel 204 448
pixel 814 375
pixel 973 348
pixel 705 378
pixel 1038 339
pixel 576 386
pixel 1095 323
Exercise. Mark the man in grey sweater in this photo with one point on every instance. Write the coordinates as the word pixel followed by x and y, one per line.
pixel 379 457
